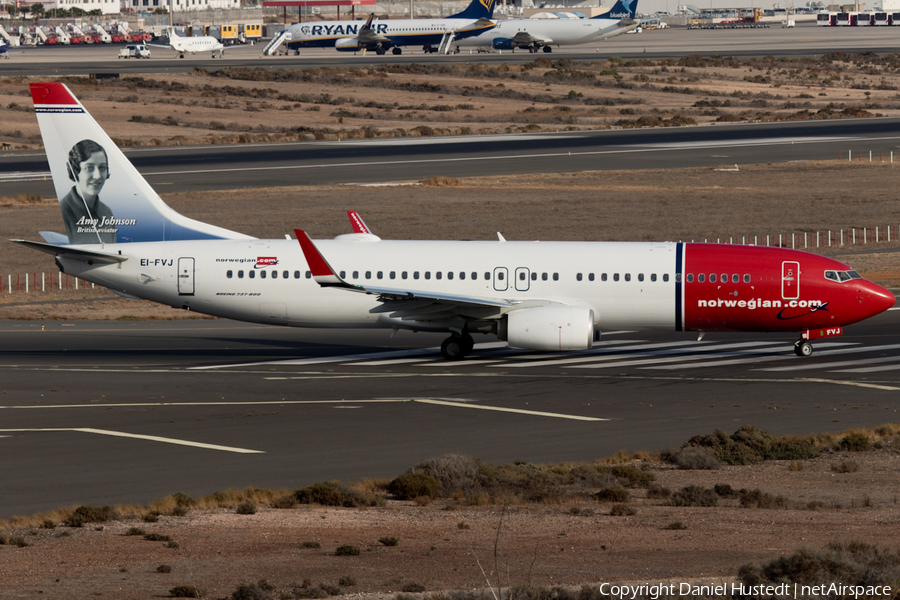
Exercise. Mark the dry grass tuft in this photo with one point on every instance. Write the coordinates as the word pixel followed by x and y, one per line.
pixel 441 181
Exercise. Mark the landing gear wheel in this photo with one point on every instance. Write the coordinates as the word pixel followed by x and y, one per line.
pixel 397 50
pixel 803 348
pixel 379 51
pixel 548 49
pixel 454 348
pixel 468 343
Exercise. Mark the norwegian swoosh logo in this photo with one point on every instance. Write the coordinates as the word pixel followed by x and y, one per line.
pixel 780 316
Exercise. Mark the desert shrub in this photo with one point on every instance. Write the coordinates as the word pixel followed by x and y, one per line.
pixel 150 517
pixel 749 445
pixel 622 510
pixel 184 591
pixel 182 499
pixel 847 466
pixel 289 501
pixel 347 581
pixel 135 531
pixel 313 545
pixel 90 514
pixel 630 475
pixel 413 485
pixel 580 511
pixel 853 563
pixel 389 540
pixel 724 490
pixel 759 499
pixel 441 182
pixel 246 508
pixel 697 458
pixel 658 492
pixel 164 569
pixel 347 550
pixel 413 587
pixel 854 442
pixel 171 544
pixel 262 590
pixel 17 540
pixel 675 526
pixel 332 493
pixel 612 495
pixel 48 524
pixel 455 472
pixel 157 537
pixel 694 495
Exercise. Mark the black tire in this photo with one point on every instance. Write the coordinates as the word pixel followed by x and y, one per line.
pixel 548 49
pixel 396 51
pixel 803 348
pixel 453 348
pixel 379 51
pixel 468 343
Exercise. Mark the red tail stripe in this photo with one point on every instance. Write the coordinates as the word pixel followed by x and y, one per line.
pixel 316 262
pixel 51 93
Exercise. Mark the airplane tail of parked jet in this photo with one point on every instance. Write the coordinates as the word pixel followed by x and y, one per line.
pixel 622 9
pixel 103 198
pixel 478 9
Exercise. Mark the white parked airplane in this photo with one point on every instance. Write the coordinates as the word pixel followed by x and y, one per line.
pixel 192 44
pixel 391 34
pixel 534 295
pixel 536 33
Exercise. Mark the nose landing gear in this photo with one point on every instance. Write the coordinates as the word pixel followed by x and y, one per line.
pixel 457 346
pixel 803 348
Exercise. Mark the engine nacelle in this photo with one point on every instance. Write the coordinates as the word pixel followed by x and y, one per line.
pixel 348 44
pixel 549 328
pixel 503 44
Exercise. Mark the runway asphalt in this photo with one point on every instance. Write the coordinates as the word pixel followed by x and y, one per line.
pixel 108 412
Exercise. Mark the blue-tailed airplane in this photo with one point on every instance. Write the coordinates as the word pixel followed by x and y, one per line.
pixel 546 33
pixel 434 35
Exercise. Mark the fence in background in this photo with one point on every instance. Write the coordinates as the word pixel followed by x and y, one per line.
pixel 41 282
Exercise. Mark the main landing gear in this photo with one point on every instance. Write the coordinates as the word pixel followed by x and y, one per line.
pixel 457 346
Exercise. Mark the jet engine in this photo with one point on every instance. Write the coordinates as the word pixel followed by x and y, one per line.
pixel 348 44
pixel 549 328
pixel 503 44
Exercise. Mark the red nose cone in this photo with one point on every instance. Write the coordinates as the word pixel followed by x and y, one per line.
pixel 878 299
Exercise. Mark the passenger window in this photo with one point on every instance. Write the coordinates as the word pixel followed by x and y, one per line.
pixel 735 278
pixel 603 277
pixel 487 276
pixel 229 274
pixel 533 276
pixel 403 275
pixel 380 274
pixel 438 275
pixel 652 276
pixel 308 275
pixel 368 274
pixel 287 275
pixel 690 278
pixel 590 276
pixel 262 274
pixel 640 276
pixel 543 277
pixel 556 277
pixel 296 274
pixel 712 277
pixel 701 278
pixel 393 275
pixel 427 274
pixel 415 274
pixel 355 274
pixel 240 274
pixel 615 276
pixel 462 274
pixel 449 275
pixel 578 277
pixel 522 276
pixel 252 274
pixel 724 278
pixel 475 276
pixel 746 278
pixel 627 276
pixel 500 275
pixel 677 277
pixel 274 274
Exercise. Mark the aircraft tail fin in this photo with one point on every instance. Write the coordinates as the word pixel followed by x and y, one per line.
pixel 478 9
pixel 103 198
pixel 622 9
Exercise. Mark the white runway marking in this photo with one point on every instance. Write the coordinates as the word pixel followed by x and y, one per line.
pixel 598 355
pixel 742 361
pixel 680 354
pixel 138 436
pixel 510 410
pixel 806 365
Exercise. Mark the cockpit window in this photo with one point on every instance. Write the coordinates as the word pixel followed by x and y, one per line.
pixel 841 276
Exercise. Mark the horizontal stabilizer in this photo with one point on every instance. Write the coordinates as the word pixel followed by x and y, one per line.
pixel 74 253
pixel 52 237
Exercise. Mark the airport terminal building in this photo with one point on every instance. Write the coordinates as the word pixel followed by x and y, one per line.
pixel 119 6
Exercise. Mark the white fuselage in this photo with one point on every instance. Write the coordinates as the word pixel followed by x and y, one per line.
pixel 267 281
pixel 204 43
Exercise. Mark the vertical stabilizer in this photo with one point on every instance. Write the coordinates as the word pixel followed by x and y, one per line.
pixel 478 9
pixel 102 196
pixel 622 9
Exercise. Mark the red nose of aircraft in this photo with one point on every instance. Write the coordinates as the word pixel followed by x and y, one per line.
pixel 874 299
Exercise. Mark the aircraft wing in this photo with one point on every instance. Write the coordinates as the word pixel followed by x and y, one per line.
pixel 403 303
pixel 526 39
pixel 367 35
pixel 74 253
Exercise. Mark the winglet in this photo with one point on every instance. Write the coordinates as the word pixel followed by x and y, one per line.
pixel 359 226
pixel 321 270
pixel 368 24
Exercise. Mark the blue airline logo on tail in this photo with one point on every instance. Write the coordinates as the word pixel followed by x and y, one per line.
pixel 622 9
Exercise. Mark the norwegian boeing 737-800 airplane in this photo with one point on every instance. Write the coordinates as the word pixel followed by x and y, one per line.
pixel 535 295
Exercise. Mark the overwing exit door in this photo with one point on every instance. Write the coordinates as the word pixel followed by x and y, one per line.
pixel 185 276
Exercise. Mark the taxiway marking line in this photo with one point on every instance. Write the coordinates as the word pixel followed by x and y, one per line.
pixel 520 411
pixel 873 386
pixel 139 436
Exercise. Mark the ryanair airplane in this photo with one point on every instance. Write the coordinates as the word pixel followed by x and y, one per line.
pixel 434 35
